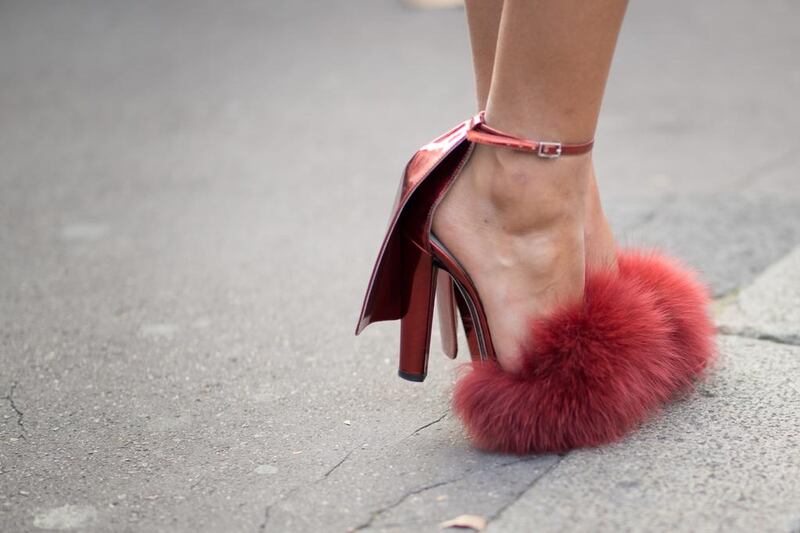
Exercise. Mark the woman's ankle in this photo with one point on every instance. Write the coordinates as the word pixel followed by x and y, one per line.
pixel 601 249
pixel 528 192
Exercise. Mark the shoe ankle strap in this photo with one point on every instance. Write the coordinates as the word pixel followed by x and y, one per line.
pixel 479 132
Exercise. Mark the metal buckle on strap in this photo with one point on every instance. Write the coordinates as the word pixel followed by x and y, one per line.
pixel 549 150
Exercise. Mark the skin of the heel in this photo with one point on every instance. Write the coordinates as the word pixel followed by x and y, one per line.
pixel 415 326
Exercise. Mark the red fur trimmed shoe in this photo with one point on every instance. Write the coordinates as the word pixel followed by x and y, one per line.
pixel 597 369
pixel 682 296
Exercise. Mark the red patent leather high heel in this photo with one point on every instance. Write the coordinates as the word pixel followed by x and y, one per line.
pixel 451 305
pixel 411 261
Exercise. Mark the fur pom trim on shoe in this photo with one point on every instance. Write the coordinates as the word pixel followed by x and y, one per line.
pixel 683 298
pixel 598 369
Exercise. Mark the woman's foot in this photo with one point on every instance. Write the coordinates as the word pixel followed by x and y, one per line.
pixel 601 250
pixel 516 223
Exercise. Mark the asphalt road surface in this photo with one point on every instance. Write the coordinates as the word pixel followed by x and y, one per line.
pixel 191 197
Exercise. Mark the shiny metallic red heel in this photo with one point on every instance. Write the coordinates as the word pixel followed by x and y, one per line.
pixel 415 326
pixel 411 261
pixel 452 306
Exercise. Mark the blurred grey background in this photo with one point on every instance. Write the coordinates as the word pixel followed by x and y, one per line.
pixel 191 197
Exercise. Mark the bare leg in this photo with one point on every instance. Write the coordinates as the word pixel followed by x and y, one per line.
pixel 516 221
pixel 552 64
pixel 483 18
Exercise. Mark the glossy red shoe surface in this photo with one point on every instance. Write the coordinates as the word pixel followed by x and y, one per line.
pixel 385 296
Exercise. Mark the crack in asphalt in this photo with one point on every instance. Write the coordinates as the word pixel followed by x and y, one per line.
pixel 399 501
pixel 376 514
pixel 518 461
pixel 10 398
pixel 757 173
pixel 744 334
pixel 383 510
pixel 265 521
pixel 429 424
pixel 284 497
pixel 514 499
pixel 379 512
pixel 263 525
pixel 337 465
